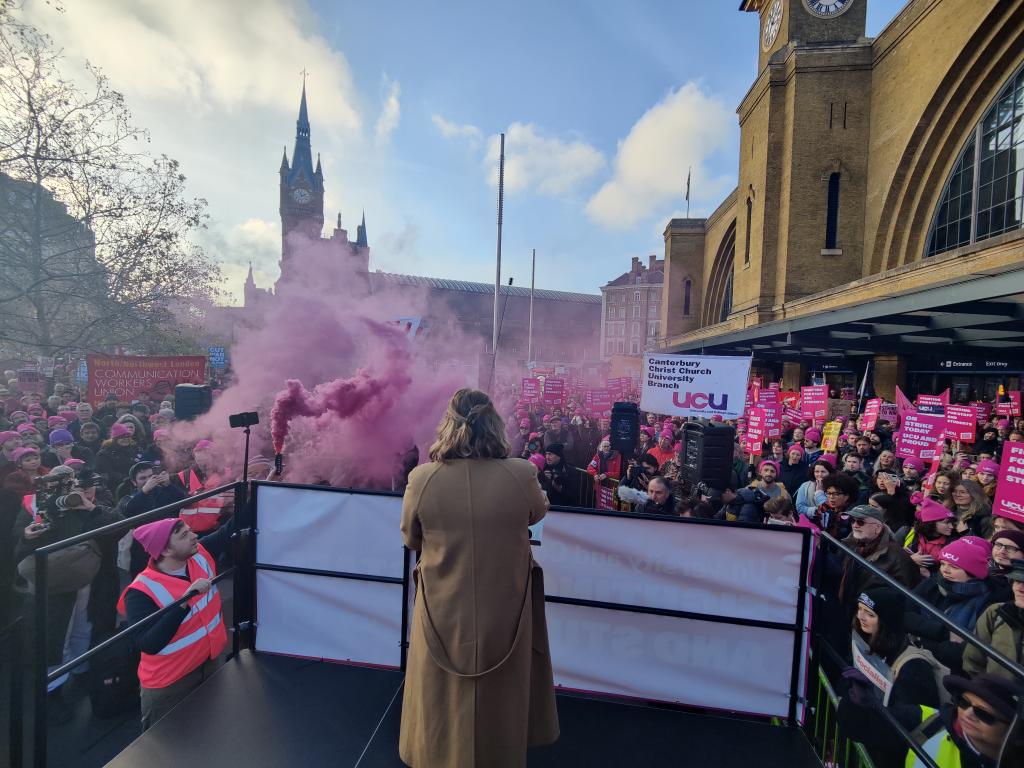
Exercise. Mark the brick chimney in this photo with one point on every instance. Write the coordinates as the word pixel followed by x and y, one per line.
pixel 635 269
pixel 651 260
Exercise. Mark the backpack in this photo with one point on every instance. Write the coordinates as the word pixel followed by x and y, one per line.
pixel 939 670
pixel 68 569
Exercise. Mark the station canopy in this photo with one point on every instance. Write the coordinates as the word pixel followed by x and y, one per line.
pixel 979 316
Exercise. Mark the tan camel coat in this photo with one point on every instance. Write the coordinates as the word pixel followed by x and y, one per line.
pixel 478 686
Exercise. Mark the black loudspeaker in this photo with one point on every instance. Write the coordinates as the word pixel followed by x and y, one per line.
pixel 707 454
pixel 625 428
pixel 191 400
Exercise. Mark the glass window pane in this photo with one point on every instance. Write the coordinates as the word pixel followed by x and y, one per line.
pixel 964 236
pixel 984 218
pixel 985 197
pixel 1005 108
pixel 965 207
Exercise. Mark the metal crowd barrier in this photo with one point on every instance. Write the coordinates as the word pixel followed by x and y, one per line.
pixel 41 678
pixel 830 743
pixel 12 639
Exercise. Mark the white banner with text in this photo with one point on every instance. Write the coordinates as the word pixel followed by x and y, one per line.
pixel 694 386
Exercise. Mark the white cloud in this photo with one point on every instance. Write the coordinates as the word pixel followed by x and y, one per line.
pixel 679 132
pixel 390 113
pixel 452 130
pixel 550 166
pixel 202 55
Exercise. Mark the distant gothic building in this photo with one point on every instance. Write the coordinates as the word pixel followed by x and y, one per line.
pixel 566 326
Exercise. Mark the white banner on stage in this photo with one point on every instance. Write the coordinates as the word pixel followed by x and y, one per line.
pixel 323 617
pixel 329 530
pixel 694 386
pixel 721 571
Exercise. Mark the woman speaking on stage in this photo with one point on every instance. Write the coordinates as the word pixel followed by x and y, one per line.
pixel 478 687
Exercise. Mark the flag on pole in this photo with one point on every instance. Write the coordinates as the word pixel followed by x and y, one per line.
pixel 689 173
pixel 864 381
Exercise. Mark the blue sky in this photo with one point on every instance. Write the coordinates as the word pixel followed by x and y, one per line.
pixel 606 105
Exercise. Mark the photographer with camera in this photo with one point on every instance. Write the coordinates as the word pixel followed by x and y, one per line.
pixel 152 489
pixel 82 579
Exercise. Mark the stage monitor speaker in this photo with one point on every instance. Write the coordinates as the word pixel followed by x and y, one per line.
pixel 707 454
pixel 191 400
pixel 625 428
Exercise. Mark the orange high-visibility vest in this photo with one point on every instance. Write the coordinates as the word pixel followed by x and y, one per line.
pixel 204 515
pixel 201 635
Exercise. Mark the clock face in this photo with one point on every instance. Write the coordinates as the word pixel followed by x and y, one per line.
pixel 772 25
pixel 826 9
pixel 301 195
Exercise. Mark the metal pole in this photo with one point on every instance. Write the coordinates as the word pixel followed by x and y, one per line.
pixel 533 277
pixel 497 275
pixel 39 677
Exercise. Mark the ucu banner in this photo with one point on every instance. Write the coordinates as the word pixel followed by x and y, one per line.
pixel 695 386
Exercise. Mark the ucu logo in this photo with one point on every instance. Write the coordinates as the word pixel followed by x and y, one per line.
pixel 699 400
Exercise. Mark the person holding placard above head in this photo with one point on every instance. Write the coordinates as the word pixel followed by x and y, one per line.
pixel 479 685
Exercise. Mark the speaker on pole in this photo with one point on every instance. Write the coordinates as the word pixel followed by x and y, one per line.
pixel 707 454
pixel 191 400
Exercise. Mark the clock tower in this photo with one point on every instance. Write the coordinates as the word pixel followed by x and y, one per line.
pixel 302 191
pixel 796 22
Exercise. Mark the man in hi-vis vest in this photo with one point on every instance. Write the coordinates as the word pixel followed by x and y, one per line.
pixel 205 515
pixel 179 648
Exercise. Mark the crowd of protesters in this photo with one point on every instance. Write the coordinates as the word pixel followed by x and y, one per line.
pixel 929 526
pixel 67 467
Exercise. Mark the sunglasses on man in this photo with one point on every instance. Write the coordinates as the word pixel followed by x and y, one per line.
pixel 983 715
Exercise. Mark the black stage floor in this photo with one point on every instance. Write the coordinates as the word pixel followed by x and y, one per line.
pixel 262 711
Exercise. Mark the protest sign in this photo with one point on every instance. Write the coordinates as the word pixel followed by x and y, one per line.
pixel 814 401
pixel 1009 500
pixel 889 412
pixel 792 416
pixel 871 410
pixel 830 436
pixel 604 497
pixel 790 399
pixel 531 390
pixel 31 380
pixel 218 358
pixel 1010 407
pixel 984 410
pixel 756 431
pixel 961 422
pixel 554 391
pixel 128 377
pixel 919 434
pixel 773 419
pixel 691 386
pixel 768 397
pixel 930 404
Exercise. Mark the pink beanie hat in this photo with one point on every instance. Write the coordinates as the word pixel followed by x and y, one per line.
pixel 524 423
pixel 771 463
pixel 830 458
pixel 988 466
pixel 970 553
pixel 795 447
pixel 814 435
pixel 538 460
pixel 154 536
pixel 160 434
pixel 8 435
pixel 56 421
pixel 913 463
pixel 667 434
pixel 26 427
pixel 20 453
pixel 74 463
pixel 118 430
pixel 932 511
pixel 203 445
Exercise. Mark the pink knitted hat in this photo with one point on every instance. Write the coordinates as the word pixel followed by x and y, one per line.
pixel 931 511
pixel 538 460
pixel 970 553
pixel 154 536
pixel 119 430
pixel 988 466
pixel 20 453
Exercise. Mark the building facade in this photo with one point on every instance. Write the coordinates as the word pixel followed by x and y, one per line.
pixel 631 309
pixel 877 217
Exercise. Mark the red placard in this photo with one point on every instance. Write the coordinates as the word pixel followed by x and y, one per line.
pixel 1009 500
pixel 871 410
pixel 814 401
pixel 919 434
pixel 961 422
pixel 768 397
pixel 792 416
pixel 128 377
pixel 604 497
pixel 554 391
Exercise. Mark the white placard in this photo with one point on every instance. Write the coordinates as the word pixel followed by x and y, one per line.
pixel 323 617
pixel 694 386
pixel 661 658
pixel 723 570
pixel 329 530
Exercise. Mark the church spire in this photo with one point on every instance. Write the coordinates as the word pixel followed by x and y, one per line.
pixel 302 157
pixel 302 124
pixel 361 234
pixel 250 280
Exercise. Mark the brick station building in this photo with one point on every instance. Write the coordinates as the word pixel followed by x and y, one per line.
pixel 879 206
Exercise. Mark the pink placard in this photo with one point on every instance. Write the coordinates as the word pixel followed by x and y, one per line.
pixel 1009 501
pixel 756 430
pixel 1010 408
pixel 531 390
pixel 871 410
pixel 918 435
pixel 984 410
pixel 814 401
pixel 961 422
pixel 773 419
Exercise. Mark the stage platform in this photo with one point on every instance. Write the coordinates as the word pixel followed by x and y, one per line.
pixel 265 711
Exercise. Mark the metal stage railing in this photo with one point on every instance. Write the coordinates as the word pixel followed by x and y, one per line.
pixel 819 725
